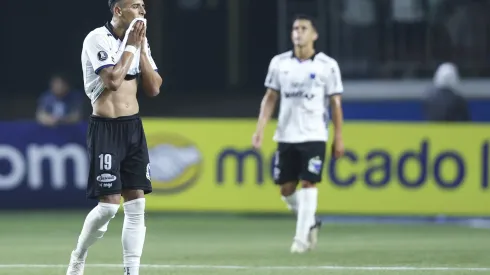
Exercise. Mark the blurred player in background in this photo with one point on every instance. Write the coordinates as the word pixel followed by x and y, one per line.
pixel 114 58
pixel 306 81
pixel 60 104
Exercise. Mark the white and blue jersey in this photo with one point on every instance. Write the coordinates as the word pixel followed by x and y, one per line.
pixel 101 49
pixel 304 87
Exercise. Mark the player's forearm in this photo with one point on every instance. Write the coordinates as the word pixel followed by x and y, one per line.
pixel 267 107
pixel 151 80
pixel 337 116
pixel 119 72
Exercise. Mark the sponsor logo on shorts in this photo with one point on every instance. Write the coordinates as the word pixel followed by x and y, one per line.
pixel 175 162
pixel 148 174
pixel 105 185
pixel 106 178
pixel 315 165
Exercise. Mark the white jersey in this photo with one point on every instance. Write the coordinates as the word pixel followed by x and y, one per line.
pixel 305 87
pixel 101 50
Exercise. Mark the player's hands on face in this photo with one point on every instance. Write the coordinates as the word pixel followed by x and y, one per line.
pixel 144 47
pixel 257 140
pixel 136 34
pixel 338 148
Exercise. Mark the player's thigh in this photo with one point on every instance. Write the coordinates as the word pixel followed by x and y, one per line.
pixel 105 155
pixel 135 173
pixel 287 164
pixel 312 161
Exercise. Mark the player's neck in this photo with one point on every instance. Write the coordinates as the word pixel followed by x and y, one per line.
pixel 118 29
pixel 304 53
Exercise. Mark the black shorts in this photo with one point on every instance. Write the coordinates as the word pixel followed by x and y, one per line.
pixel 299 161
pixel 118 156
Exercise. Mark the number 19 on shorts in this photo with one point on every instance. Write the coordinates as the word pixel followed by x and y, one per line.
pixel 105 161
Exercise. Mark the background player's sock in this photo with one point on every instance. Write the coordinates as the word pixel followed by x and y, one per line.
pixel 133 235
pixel 291 201
pixel 307 204
pixel 95 226
pixel 311 200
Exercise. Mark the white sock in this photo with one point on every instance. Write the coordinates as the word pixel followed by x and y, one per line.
pixel 133 235
pixel 307 204
pixel 292 202
pixel 95 226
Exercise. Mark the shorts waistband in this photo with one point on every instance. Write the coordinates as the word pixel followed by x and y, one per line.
pixel 115 119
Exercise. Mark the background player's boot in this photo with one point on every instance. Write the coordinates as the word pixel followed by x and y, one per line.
pixel 313 235
pixel 299 247
pixel 76 265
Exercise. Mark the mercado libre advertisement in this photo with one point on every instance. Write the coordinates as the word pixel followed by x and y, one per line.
pixel 388 169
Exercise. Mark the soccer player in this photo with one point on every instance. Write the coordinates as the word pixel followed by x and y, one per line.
pixel 117 149
pixel 306 81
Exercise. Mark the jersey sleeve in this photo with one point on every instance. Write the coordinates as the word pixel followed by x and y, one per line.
pixel 272 78
pixel 99 52
pixel 335 85
pixel 152 62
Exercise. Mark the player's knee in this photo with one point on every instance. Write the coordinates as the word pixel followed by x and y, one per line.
pixel 134 211
pixel 130 195
pixel 307 184
pixel 288 189
pixel 107 210
pixel 136 206
pixel 111 199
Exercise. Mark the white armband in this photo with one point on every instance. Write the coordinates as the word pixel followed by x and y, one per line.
pixel 131 49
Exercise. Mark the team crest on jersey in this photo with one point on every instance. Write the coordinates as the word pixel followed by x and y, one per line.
pixel 276 173
pixel 102 56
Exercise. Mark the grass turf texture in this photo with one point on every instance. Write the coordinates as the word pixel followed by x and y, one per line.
pixel 40 243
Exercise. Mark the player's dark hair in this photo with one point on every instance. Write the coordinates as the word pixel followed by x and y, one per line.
pixel 306 17
pixel 112 3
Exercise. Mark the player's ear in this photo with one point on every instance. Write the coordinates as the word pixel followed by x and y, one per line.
pixel 315 35
pixel 117 10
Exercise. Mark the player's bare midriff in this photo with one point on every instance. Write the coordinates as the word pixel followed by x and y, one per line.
pixel 123 102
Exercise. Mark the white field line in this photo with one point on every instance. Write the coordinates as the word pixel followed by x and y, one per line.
pixel 244 267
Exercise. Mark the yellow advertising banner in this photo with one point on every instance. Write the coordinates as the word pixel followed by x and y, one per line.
pixel 388 169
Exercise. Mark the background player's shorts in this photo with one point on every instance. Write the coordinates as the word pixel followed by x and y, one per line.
pixel 118 156
pixel 299 161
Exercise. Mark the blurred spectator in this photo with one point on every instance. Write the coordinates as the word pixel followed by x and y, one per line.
pixel 468 28
pixel 359 28
pixel 444 102
pixel 409 29
pixel 60 104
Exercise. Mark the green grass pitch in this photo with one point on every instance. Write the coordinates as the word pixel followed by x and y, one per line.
pixel 40 244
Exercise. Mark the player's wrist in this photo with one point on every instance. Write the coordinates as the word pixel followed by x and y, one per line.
pixel 131 49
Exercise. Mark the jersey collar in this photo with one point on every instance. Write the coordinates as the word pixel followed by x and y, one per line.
pixel 293 55
pixel 110 28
